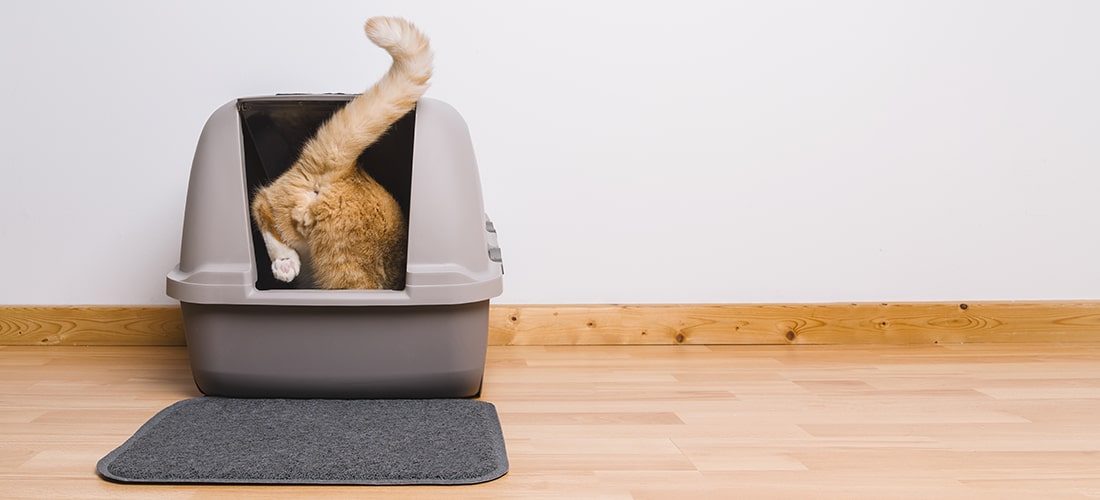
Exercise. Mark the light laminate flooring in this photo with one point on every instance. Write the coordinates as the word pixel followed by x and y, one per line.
pixel 645 422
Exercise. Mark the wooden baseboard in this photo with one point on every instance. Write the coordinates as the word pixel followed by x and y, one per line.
pixel 781 324
pixel 91 325
pixel 771 324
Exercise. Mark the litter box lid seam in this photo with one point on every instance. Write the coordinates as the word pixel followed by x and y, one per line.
pixel 180 287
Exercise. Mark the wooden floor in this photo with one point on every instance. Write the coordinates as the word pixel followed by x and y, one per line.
pixel 677 422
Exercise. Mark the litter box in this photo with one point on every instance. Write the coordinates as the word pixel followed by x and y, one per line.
pixel 249 335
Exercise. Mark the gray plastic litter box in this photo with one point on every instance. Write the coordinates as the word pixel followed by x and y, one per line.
pixel 249 335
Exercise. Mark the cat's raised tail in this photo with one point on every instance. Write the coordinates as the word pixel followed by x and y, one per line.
pixel 338 143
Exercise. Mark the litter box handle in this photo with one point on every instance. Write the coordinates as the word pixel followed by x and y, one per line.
pixel 494 245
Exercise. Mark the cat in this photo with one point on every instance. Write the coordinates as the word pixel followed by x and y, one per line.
pixel 327 210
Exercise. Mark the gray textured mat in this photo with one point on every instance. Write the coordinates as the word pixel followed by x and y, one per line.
pixel 314 441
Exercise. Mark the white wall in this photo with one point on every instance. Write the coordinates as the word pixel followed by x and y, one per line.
pixel 689 151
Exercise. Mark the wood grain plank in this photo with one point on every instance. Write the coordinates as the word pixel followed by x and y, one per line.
pixel 91 325
pixel 782 324
pixel 671 324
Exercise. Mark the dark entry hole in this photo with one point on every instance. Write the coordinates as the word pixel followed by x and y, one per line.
pixel 276 128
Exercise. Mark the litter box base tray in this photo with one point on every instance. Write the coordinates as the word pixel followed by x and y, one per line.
pixel 379 352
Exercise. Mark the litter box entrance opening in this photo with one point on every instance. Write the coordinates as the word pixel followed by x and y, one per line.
pixel 275 130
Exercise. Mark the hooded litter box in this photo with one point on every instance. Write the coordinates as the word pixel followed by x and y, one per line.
pixel 249 335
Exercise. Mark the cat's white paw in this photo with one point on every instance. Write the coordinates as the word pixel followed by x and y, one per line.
pixel 286 268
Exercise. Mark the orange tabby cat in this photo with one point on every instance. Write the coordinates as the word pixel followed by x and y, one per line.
pixel 325 207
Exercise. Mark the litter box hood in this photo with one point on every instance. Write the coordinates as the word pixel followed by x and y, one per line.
pixel 453 256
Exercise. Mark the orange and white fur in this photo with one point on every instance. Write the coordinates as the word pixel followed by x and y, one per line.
pixel 325 208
